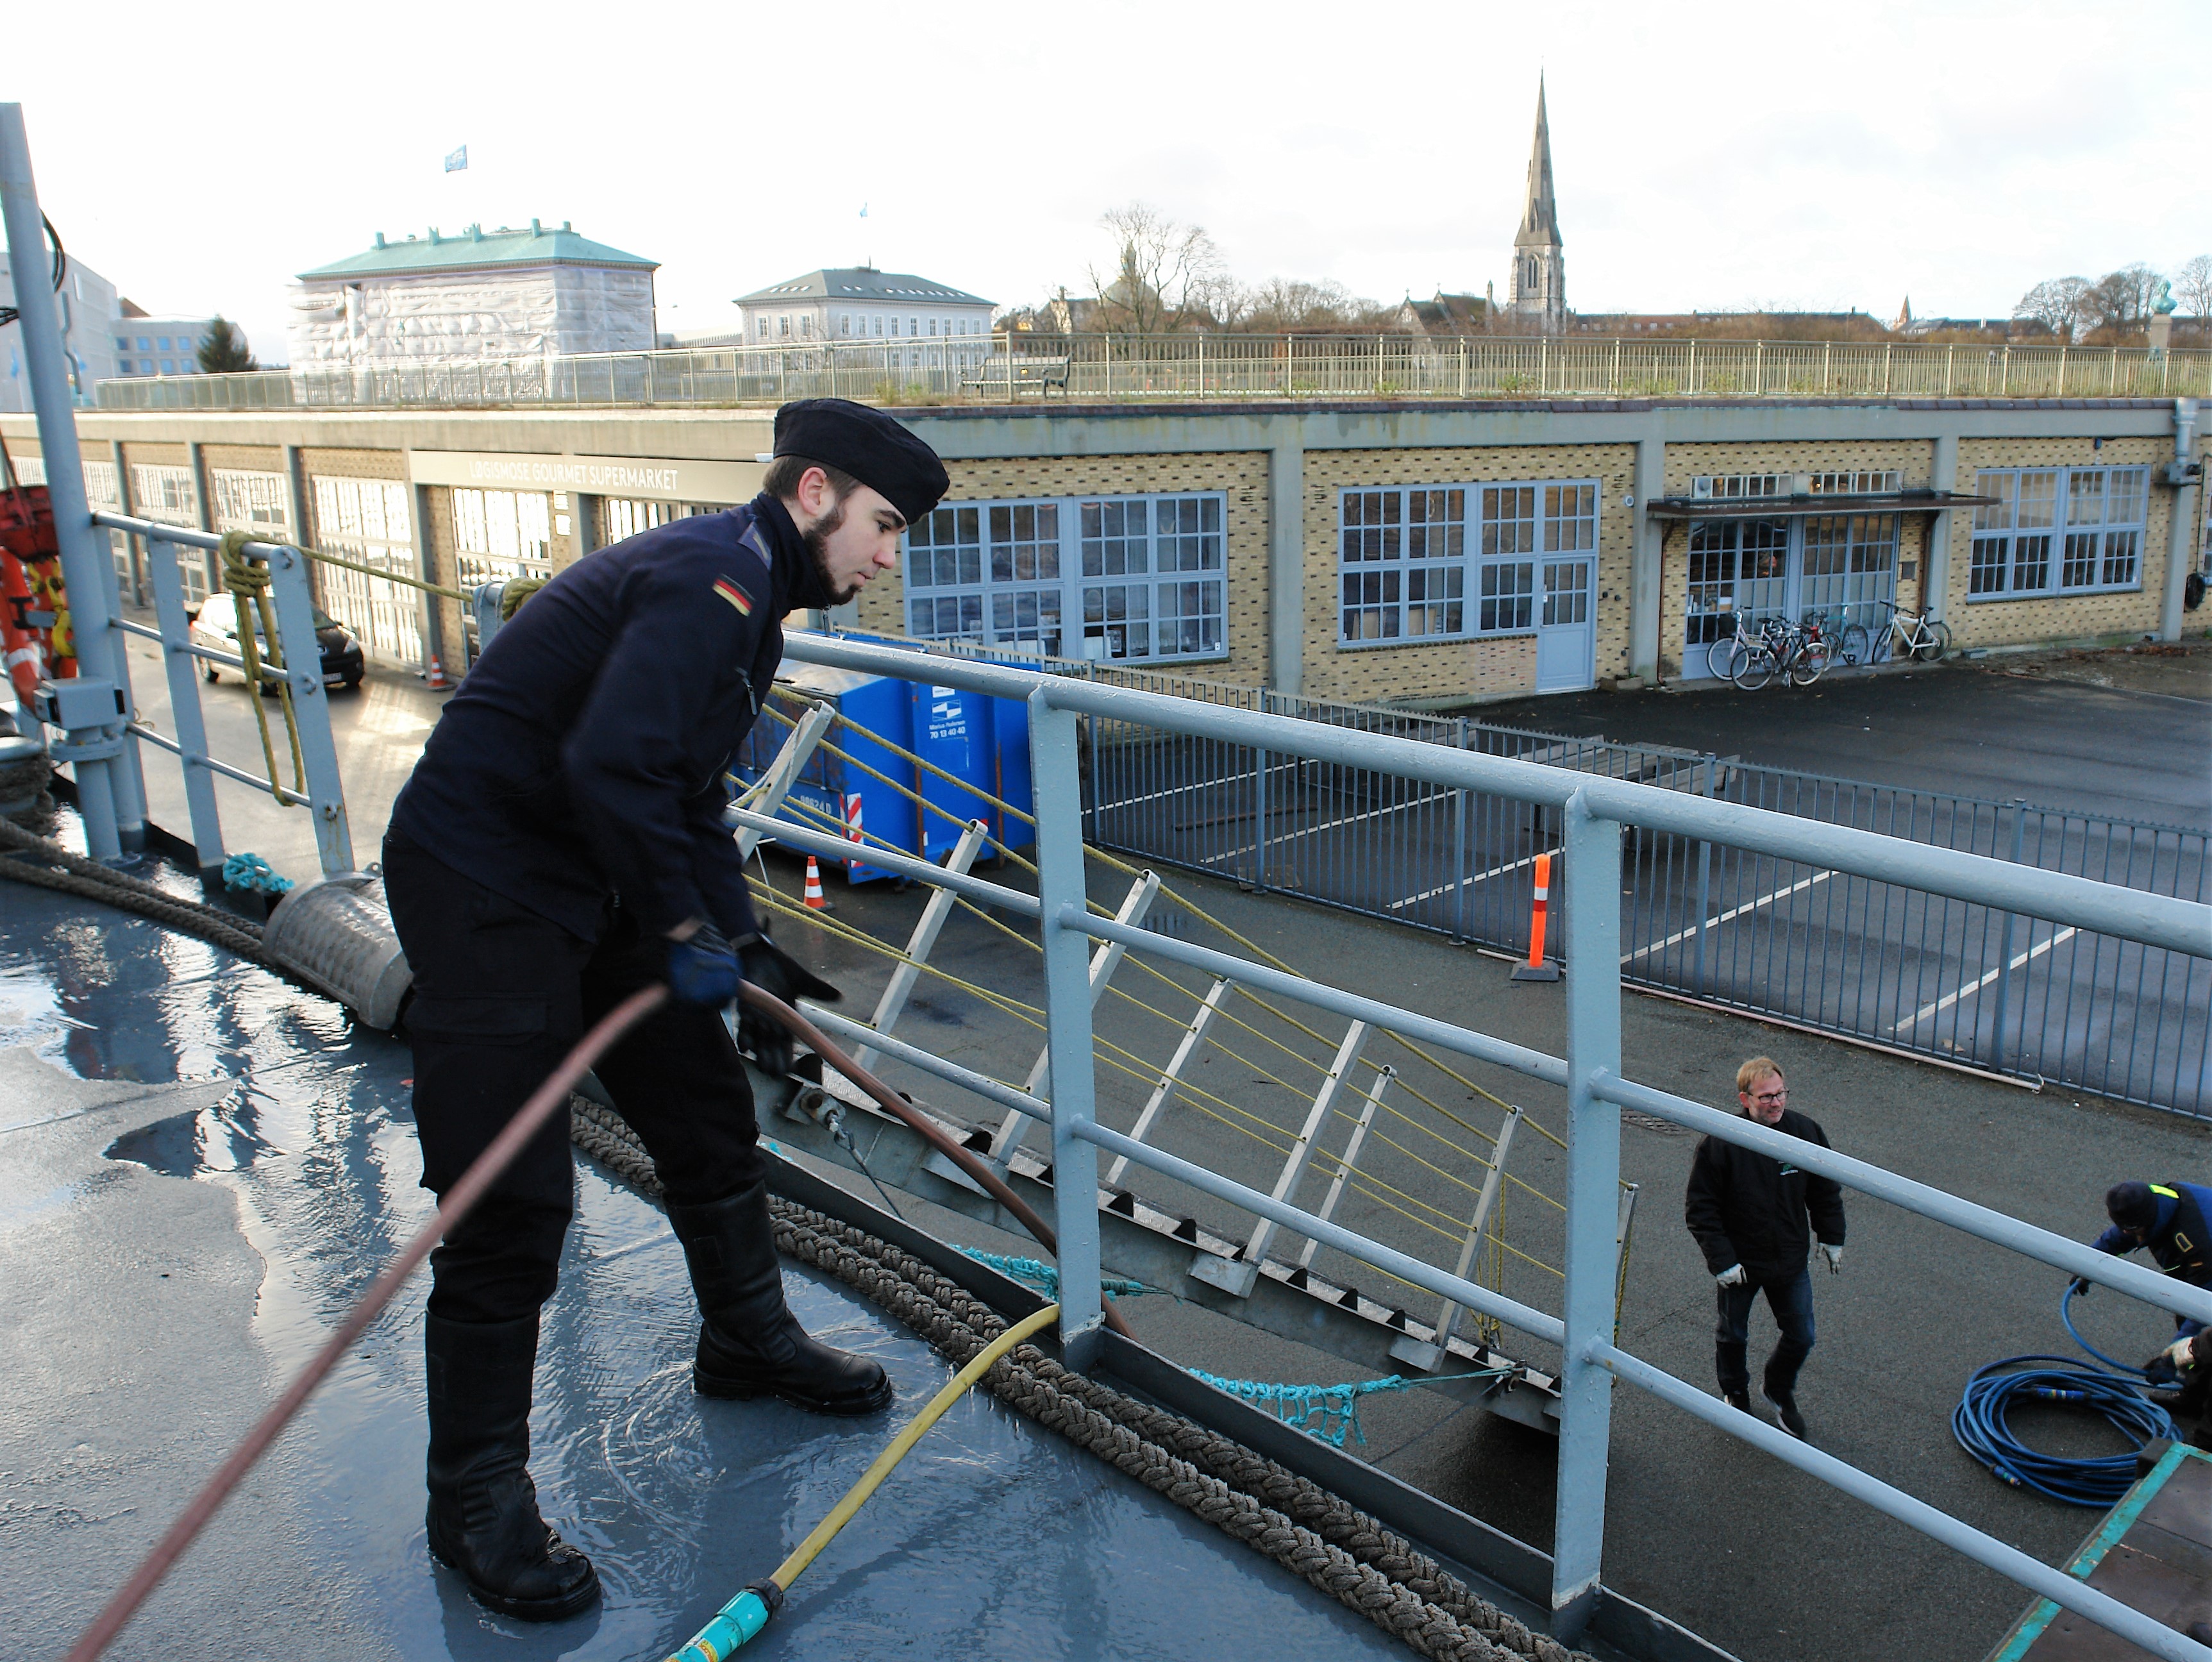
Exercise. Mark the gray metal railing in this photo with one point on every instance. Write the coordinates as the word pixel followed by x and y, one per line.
pixel 1200 366
pixel 2011 992
pixel 1592 812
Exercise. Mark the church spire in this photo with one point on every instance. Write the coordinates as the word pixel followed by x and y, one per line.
pixel 1539 287
pixel 1539 216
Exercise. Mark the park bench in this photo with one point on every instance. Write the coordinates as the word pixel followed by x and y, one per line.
pixel 1010 372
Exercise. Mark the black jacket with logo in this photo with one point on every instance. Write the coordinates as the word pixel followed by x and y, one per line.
pixel 584 753
pixel 1750 1208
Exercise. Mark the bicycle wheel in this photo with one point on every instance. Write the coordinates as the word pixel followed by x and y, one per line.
pixel 1755 668
pixel 1720 656
pixel 1811 662
pixel 1857 645
pixel 1933 641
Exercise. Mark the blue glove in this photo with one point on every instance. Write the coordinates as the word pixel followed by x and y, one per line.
pixel 703 968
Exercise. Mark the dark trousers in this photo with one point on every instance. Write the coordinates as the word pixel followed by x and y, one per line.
pixel 502 995
pixel 1790 1298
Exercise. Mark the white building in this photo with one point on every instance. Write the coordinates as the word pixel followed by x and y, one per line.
pixel 855 303
pixel 504 294
pixel 87 303
pixel 148 345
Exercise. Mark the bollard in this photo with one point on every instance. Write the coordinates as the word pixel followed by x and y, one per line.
pixel 1535 969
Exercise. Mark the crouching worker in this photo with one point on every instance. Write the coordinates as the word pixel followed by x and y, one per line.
pixel 560 846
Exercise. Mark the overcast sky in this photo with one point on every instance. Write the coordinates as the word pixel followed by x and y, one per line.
pixel 1715 155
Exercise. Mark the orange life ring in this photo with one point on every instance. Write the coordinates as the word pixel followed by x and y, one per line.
pixel 35 637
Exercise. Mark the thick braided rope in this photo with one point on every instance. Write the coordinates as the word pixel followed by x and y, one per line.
pixel 86 878
pixel 1318 1535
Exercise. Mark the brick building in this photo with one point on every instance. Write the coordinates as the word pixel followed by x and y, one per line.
pixel 1368 549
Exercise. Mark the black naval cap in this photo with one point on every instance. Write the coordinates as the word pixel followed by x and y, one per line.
pixel 2131 1205
pixel 867 444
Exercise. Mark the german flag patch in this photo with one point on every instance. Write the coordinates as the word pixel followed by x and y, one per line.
pixel 736 596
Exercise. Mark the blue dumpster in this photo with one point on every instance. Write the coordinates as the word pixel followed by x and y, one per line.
pixel 982 743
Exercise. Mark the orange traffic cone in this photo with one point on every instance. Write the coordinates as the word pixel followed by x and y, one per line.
pixel 438 682
pixel 815 898
pixel 1535 969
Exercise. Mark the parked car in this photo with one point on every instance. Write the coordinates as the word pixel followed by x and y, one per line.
pixel 216 628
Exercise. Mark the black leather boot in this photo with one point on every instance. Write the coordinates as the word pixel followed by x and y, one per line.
pixel 749 1343
pixel 483 1515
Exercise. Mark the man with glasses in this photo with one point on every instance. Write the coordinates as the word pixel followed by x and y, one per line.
pixel 1749 1213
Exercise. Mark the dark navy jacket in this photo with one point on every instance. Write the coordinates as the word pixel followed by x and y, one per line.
pixel 2178 1237
pixel 583 755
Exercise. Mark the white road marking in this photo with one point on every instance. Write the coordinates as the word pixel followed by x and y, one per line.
pixel 1314 831
pixel 1971 988
pixel 1469 882
pixel 1738 912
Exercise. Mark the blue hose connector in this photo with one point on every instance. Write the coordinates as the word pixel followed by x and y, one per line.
pixel 734 1623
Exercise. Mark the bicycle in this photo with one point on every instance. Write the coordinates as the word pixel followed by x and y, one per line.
pixel 1727 656
pixel 1812 652
pixel 1923 638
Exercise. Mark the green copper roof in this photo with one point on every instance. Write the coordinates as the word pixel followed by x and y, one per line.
pixel 477 248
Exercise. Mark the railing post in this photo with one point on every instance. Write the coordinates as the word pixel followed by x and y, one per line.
pixel 2004 951
pixel 1704 886
pixel 185 718
pixel 1260 820
pixel 1593 932
pixel 94 749
pixel 1057 781
pixel 311 707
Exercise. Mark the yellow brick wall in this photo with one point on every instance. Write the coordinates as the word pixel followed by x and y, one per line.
pixel 157 455
pixel 438 542
pixel 1986 622
pixel 1914 459
pixel 1241 476
pixel 243 458
pixel 1498 667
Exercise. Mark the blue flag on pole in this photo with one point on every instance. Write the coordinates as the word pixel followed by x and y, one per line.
pixel 459 160
pixel 863 210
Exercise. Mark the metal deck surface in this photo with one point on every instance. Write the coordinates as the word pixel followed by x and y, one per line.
pixel 202 1166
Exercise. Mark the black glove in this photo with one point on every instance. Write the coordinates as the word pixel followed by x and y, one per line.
pixel 773 970
pixel 703 968
pixel 2080 1288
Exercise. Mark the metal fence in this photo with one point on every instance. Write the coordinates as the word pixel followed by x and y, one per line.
pixel 1201 365
pixel 1593 813
pixel 2007 992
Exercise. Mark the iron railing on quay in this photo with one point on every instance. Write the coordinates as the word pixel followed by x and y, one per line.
pixel 2009 993
pixel 1199 365
pixel 1593 812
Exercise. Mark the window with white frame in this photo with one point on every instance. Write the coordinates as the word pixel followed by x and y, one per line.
pixel 501 533
pixel 2057 530
pixel 370 522
pixel 1122 578
pixel 1428 562
pixel 165 494
pixel 251 503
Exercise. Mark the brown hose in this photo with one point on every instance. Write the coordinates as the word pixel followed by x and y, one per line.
pixel 892 1103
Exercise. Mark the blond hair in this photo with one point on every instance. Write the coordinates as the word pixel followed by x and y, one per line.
pixel 1757 1068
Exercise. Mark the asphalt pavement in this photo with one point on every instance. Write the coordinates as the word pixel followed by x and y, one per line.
pixel 2131 739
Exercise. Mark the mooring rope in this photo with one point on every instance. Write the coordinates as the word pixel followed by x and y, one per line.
pixel 1317 1535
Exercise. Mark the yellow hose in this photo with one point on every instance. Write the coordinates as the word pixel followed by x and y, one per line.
pixel 746 1614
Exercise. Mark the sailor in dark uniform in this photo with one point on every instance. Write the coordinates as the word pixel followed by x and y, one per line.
pixel 560 846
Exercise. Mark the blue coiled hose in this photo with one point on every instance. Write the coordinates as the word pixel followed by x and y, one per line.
pixel 1980 1420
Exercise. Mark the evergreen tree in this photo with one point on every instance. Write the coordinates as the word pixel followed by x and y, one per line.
pixel 224 351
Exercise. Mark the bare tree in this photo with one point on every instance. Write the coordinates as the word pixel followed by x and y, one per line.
pixel 1292 306
pixel 2119 303
pixel 2057 303
pixel 1163 273
pixel 2193 285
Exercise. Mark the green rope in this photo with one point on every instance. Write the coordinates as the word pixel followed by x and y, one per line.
pixel 1325 1412
pixel 1031 1272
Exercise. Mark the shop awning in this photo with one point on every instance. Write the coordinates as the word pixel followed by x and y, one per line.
pixel 1798 508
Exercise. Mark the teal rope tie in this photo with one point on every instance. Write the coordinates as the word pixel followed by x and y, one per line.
pixel 1325 1412
pixel 1031 1272
pixel 250 873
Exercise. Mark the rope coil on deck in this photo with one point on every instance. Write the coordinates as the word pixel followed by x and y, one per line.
pixel 1292 1519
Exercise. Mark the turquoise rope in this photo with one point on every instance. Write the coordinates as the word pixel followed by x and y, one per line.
pixel 251 872
pixel 1325 1412
pixel 1031 1272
